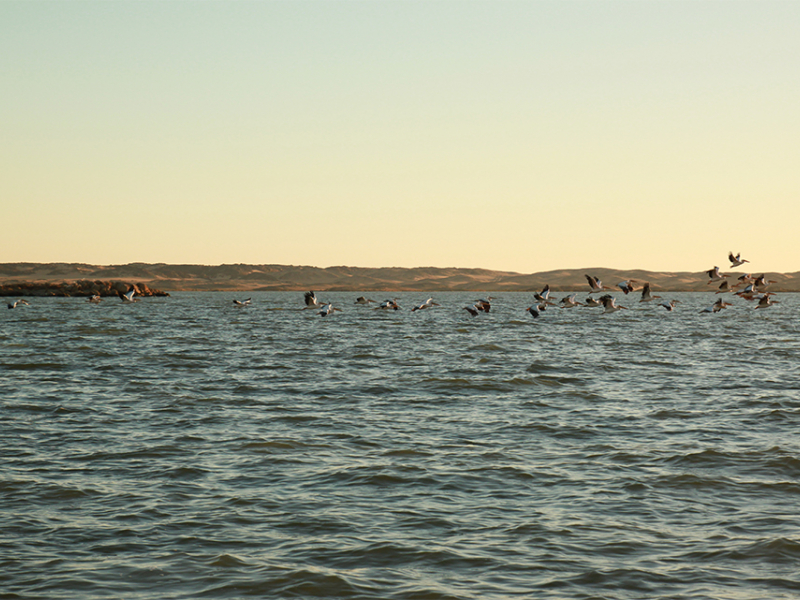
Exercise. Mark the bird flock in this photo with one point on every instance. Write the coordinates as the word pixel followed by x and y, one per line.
pixel 746 286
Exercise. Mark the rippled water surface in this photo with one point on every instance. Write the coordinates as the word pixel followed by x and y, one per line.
pixel 185 448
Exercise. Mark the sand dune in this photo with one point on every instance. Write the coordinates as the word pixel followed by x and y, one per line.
pixel 240 277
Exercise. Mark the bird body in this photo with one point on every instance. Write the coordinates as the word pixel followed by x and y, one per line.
pixel 714 275
pixel 717 306
pixel 242 302
pixel 646 295
pixel 610 304
pixel 328 309
pixel 128 296
pixel 595 284
pixel 427 304
pixel 388 305
pixel 363 300
pixel 736 260
pixel 765 300
pixel 18 302
pixel 670 306
pixel 570 301
pixel 310 299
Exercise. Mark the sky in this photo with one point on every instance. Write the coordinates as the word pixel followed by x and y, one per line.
pixel 508 135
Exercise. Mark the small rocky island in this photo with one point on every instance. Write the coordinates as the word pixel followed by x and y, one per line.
pixel 83 287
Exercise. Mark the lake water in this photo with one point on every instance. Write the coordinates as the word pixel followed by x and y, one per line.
pixel 186 448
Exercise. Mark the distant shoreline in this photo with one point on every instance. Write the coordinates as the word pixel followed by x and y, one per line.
pixel 242 277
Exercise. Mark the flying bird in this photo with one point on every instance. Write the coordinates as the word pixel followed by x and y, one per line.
pixel 595 284
pixel 646 296
pixel 328 309
pixel 18 302
pixel 626 286
pixel 736 260
pixel 669 305
pixel 310 298
pixel 533 310
pixel 363 300
pixel 717 306
pixel 427 304
pixel 714 275
pixel 765 300
pixel 242 302
pixel 388 305
pixel 94 299
pixel 473 310
pixel 570 302
pixel 484 304
pixel 610 304
pixel 128 296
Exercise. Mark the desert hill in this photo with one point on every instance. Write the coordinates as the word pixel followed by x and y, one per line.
pixel 240 277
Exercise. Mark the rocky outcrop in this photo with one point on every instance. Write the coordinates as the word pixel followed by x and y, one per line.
pixel 82 287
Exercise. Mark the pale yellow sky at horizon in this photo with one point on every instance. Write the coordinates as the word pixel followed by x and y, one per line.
pixel 516 136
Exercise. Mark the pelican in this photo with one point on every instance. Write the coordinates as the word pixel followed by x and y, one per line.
pixel 484 304
pixel 363 300
pixel 128 296
pixel 748 293
pixel 626 286
pixel 724 288
pixel 328 309
pixel 610 304
pixel 427 304
pixel 714 275
pixel 242 302
pixel 473 310
pixel 20 301
pixel 717 306
pixel 388 305
pixel 593 301
pixel 765 300
pixel 310 299
pixel 736 260
pixel 570 302
pixel 762 283
pixel 544 295
pixel 669 305
pixel 595 284
pixel 94 299
pixel 646 296
pixel 534 311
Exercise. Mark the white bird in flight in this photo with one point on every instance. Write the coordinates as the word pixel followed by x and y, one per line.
pixel 328 309
pixel 310 298
pixel 765 300
pixel 242 302
pixel 18 302
pixel 570 301
pixel 128 296
pixel 388 305
pixel 610 304
pixel 669 305
pixel 595 284
pixel 427 304
pixel 714 275
pixel 646 296
pixel 736 260
pixel 717 306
